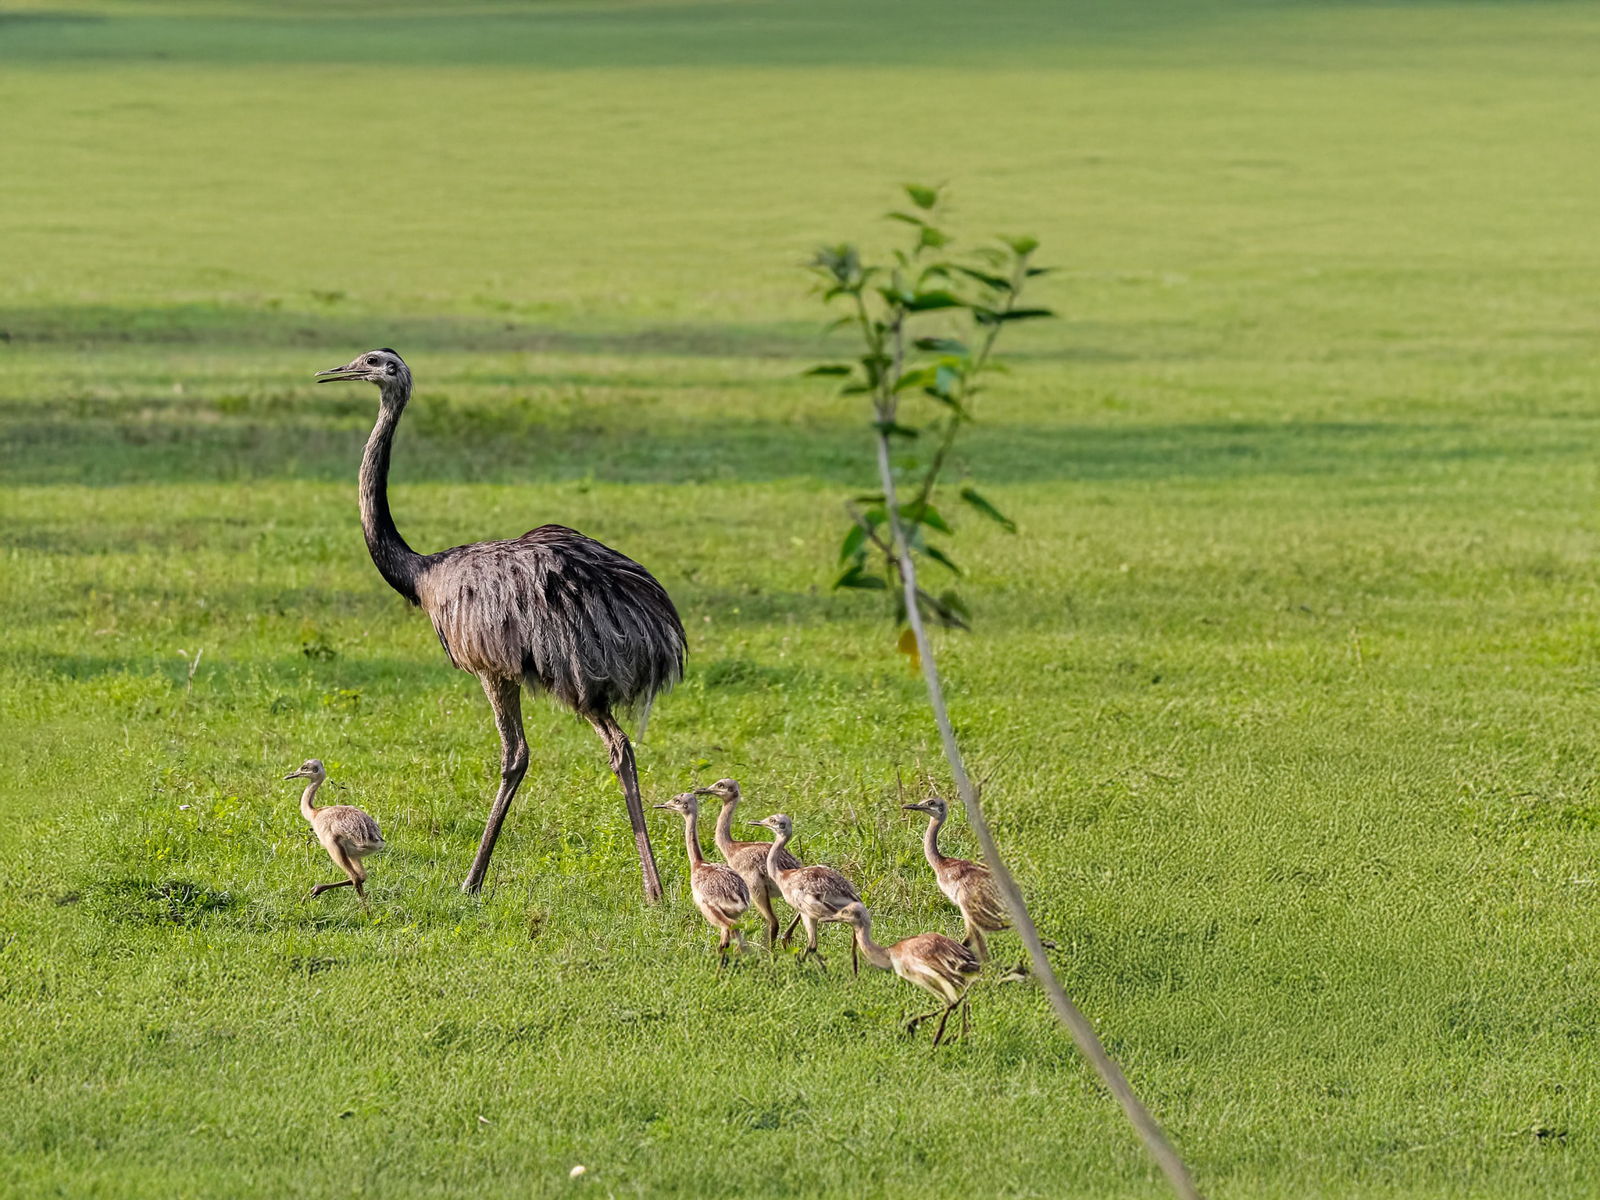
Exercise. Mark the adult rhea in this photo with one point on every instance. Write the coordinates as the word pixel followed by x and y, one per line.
pixel 552 611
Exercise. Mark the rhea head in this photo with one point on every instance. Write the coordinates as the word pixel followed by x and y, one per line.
pixel 934 806
pixel 383 367
pixel 779 823
pixel 310 769
pixel 726 790
pixel 684 803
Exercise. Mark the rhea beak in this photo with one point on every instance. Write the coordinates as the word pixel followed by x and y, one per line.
pixel 351 370
pixel 704 792
pixel 913 808
pixel 661 806
pixel 295 775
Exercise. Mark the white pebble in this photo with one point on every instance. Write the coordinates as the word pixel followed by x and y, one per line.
pixel 577 1170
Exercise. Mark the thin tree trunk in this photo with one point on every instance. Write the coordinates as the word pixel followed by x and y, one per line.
pixel 1077 1024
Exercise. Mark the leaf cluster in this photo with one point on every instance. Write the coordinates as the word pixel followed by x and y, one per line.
pixel 928 320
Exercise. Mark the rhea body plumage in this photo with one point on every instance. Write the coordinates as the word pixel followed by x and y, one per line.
pixel 719 892
pixel 346 832
pixel 552 611
pixel 939 965
pixel 749 859
pixel 968 885
pixel 817 894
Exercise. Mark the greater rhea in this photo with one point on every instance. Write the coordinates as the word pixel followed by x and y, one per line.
pixel 346 832
pixel 968 885
pixel 749 858
pixel 815 893
pixel 940 966
pixel 551 611
pixel 719 892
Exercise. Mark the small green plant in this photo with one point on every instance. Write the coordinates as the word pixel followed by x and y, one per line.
pixel 928 323
pixel 898 530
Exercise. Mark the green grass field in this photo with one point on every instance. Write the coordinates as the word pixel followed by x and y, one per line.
pixel 1288 685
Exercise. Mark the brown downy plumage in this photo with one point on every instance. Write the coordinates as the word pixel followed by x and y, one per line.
pixel 940 966
pixel 816 893
pixel 346 832
pixel 718 891
pixel 552 611
pixel 750 859
pixel 966 884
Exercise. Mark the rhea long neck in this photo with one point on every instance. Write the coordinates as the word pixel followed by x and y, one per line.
pixel 875 954
pixel 691 835
pixel 930 840
pixel 308 810
pixel 397 562
pixel 780 839
pixel 725 842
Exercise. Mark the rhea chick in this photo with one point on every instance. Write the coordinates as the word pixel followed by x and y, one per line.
pixel 749 859
pixel 940 966
pixel 968 885
pixel 346 832
pixel 816 893
pixel 719 892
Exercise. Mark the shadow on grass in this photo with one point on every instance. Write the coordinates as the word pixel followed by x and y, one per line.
pixel 528 447
pixel 614 35
pixel 202 325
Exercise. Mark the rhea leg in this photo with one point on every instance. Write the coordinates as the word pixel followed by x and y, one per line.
pixel 938 1034
pixel 762 903
pixel 789 932
pixel 975 939
pixel 505 697
pixel 811 941
pixel 352 870
pixel 627 773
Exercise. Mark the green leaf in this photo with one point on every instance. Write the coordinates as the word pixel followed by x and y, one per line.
pixel 906 217
pixel 923 197
pixel 1021 246
pixel 940 345
pixel 972 497
pixel 927 301
pixel 869 498
pixel 855 577
pixel 996 282
pixel 949 402
pixel 925 514
pixel 933 238
pixel 853 544
pixel 894 429
pixel 921 377
pixel 1025 314
pixel 940 557
pixel 945 380
pixel 955 604
pixel 831 369
pixel 1032 271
